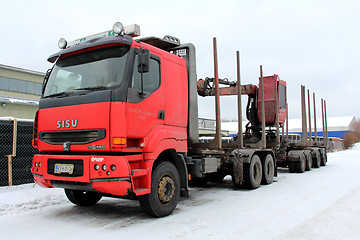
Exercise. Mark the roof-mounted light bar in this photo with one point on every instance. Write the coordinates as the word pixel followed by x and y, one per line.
pixel 118 30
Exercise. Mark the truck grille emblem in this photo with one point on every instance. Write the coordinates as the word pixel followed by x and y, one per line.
pixel 66 146
pixel 67 123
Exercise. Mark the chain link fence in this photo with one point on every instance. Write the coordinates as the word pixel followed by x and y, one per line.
pixel 16 152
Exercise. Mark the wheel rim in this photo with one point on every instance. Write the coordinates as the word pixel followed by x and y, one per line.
pixel 166 189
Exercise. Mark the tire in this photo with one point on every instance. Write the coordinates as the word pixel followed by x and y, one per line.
pixel 291 166
pixel 309 161
pixel 253 173
pixel 82 198
pixel 165 191
pixel 316 159
pixel 323 157
pixel 300 166
pixel 237 175
pixel 268 169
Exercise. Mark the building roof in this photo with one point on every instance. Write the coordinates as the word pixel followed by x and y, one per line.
pixel 21 70
pixel 16 100
pixel 345 123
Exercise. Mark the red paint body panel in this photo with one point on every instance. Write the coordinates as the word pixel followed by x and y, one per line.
pixel 147 136
pixel 99 179
pixel 269 100
pixel 88 116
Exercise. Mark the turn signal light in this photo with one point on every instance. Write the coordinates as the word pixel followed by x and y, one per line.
pixel 119 141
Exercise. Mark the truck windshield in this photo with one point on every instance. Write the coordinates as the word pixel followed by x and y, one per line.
pixel 95 70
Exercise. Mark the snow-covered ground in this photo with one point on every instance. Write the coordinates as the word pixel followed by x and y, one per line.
pixel 321 204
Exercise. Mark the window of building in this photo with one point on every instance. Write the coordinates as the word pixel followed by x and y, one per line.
pixel 21 86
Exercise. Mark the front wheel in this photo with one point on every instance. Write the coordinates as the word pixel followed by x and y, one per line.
pixel 82 198
pixel 165 191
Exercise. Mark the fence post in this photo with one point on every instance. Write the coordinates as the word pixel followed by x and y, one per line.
pixel 13 151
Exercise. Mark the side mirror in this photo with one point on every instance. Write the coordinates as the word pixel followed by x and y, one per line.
pixel 144 60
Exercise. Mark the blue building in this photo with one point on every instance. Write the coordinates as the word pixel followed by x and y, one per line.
pixel 337 126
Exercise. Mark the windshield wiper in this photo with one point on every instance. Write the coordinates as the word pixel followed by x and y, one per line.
pixel 60 94
pixel 92 88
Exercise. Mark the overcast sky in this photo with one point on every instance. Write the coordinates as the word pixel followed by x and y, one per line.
pixel 315 43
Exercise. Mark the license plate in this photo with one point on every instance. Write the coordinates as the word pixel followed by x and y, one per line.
pixel 64 168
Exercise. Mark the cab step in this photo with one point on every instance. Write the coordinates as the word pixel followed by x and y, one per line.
pixel 139 172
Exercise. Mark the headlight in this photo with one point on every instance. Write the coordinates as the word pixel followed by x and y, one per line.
pixel 113 167
pixel 104 167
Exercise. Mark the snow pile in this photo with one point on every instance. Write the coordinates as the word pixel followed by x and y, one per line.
pixel 320 204
pixel 356 146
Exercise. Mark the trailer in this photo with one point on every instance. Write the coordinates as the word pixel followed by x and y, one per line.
pixel 302 152
pixel 118 117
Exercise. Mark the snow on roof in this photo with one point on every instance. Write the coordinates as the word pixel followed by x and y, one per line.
pixel 21 70
pixel 22 101
pixel 232 127
pixel 334 124
pixel 345 123
pixel 19 119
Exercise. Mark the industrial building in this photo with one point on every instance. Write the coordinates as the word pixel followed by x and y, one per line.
pixel 337 126
pixel 20 91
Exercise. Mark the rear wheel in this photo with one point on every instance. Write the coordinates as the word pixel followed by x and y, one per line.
pixel 82 198
pixel 309 161
pixel 291 166
pixel 323 157
pixel 268 169
pixel 253 173
pixel 165 191
pixel 316 159
pixel 301 164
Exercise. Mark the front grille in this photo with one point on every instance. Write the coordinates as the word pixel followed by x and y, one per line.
pixel 73 137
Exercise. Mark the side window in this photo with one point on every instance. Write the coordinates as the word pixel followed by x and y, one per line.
pixel 282 96
pixel 151 79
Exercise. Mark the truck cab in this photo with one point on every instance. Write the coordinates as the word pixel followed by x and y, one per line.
pixel 113 112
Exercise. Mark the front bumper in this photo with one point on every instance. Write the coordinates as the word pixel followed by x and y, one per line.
pixel 105 174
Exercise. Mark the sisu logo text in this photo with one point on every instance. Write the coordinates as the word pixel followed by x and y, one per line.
pixel 67 123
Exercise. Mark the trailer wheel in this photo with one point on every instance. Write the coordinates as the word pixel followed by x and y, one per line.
pixel 268 167
pixel 300 165
pixel 82 198
pixel 316 159
pixel 291 166
pixel 323 157
pixel 165 191
pixel 309 161
pixel 253 173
